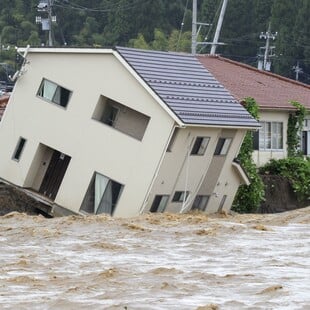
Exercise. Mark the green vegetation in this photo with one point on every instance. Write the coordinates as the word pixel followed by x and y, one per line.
pixel 296 170
pixel 294 127
pixel 249 198
pixel 156 24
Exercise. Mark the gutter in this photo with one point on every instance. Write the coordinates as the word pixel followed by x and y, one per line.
pixel 240 170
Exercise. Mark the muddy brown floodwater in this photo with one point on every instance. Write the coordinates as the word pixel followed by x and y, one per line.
pixel 158 261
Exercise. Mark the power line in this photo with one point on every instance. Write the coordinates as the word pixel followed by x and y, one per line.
pixel 206 37
pixel 109 8
pixel 182 25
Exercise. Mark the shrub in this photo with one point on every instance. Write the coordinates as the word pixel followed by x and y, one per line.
pixel 296 170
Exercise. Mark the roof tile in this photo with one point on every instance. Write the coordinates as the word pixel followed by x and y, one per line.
pixel 271 91
pixel 187 88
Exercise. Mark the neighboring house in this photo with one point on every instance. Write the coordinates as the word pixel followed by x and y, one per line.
pixel 123 132
pixel 4 99
pixel 273 94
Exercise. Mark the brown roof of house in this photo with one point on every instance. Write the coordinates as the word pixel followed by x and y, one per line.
pixel 271 91
pixel 4 99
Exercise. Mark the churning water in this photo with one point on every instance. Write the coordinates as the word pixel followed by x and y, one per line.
pixel 158 261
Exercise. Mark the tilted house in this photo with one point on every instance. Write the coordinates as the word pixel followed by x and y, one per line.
pixel 122 132
pixel 273 94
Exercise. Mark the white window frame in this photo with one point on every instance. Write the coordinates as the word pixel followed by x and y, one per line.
pixel 271 136
pixel 51 92
pixel 200 146
pixel 180 196
pixel 224 148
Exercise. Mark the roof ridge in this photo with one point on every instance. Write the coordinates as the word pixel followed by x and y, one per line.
pixel 216 114
pixel 240 64
pixel 141 50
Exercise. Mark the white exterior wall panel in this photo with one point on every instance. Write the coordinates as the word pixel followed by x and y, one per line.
pixel 200 175
pixel 261 157
pixel 92 146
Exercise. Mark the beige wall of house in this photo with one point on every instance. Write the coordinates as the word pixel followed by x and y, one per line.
pixel 206 175
pixel 92 145
pixel 262 156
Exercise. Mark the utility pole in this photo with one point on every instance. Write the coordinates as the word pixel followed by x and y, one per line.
pixel 215 42
pixel 194 27
pixel 47 23
pixel 297 70
pixel 265 64
pixel 195 32
pixel 50 17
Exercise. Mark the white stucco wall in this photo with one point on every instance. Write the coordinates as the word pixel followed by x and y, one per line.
pixel 93 146
pixel 200 175
pixel 263 156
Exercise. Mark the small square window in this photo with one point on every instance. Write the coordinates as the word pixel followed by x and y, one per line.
pixel 54 93
pixel 200 146
pixel 180 196
pixel 19 148
pixel 222 146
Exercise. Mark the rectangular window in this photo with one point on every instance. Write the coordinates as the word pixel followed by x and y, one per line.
pixel 19 148
pixel 159 204
pixel 102 195
pixel 54 93
pixel 222 146
pixel 305 142
pixel 180 196
pixel 200 146
pixel 200 202
pixel 255 138
pixel 121 117
pixel 271 136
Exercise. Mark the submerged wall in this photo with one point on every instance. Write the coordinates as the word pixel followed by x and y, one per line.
pixel 279 195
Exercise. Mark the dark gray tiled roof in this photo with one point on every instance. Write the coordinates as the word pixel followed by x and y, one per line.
pixel 187 88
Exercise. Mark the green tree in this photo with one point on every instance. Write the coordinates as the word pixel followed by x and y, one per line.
pixel 180 43
pixel 283 21
pixel 8 35
pixel 139 42
pixel 111 22
pixel 160 41
pixel 301 38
